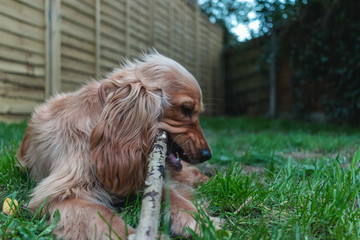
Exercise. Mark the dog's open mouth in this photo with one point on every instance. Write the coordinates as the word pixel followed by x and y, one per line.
pixel 174 155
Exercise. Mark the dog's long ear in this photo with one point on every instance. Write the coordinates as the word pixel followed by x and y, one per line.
pixel 122 138
pixel 104 90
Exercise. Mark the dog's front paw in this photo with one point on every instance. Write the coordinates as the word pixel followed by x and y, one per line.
pixel 182 220
pixel 217 222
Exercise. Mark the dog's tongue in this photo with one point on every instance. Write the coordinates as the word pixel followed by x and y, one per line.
pixel 174 161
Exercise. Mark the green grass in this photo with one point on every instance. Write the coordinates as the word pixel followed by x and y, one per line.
pixel 16 184
pixel 263 141
pixel 276 179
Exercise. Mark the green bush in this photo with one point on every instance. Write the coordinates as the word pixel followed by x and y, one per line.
pixel 325 54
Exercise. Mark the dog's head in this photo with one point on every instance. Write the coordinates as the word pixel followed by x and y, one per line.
pixel 138 99
pixel 181 118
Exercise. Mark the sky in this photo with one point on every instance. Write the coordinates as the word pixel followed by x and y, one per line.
pixel 242 31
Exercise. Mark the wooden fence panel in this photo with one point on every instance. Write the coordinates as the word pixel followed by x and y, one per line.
pixel 113 34
pixel 247 81
pixel 54 46
pixel 77 23
pixel 22 57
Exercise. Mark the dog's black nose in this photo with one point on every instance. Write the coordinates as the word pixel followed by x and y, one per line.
pixel 205 154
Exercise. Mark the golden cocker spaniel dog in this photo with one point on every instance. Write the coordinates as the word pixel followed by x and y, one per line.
pixel 88 148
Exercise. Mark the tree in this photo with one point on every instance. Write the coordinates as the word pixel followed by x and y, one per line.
pixel 319 39
pixel 227 14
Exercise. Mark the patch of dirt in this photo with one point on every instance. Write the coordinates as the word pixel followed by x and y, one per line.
pixel 248 169
pixel 209 169
pixel 303 155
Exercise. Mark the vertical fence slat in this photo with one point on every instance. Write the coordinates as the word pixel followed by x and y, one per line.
pixel 47 48
pixel 210 72
pixel 152 22
pixel 54 48
pixel 183 37
pixel 127 27
pixel 197 45
pixel 171 28
pixel 98 38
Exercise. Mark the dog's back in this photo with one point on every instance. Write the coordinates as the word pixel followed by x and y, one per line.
pixel 57 135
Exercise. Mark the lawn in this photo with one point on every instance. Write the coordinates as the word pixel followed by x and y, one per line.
pixel 273 179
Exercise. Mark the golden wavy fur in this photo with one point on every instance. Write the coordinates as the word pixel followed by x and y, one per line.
pixel 88 148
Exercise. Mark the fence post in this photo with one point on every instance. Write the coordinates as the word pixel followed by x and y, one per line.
pixel 183 39
pixel 272 76
pixel 127 28
pixel 98 38
pixel 210 71
pixel 53 47
pixel 197 45
pixel 152 23
pixel 47 48
pixel 171 28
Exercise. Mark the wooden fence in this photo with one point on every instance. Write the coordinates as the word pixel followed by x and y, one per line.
pixel 247 79
pixel 51 46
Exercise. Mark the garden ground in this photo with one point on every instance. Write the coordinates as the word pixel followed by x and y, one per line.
pixel 273 179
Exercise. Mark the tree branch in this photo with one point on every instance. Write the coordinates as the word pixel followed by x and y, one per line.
pixel 150 207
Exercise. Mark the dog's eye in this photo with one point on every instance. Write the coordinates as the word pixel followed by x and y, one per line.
pixel 186 111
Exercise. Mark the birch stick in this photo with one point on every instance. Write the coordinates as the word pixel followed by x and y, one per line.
pixel 150 207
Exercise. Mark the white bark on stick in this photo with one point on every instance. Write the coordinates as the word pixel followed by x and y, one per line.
pixel 150 207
